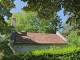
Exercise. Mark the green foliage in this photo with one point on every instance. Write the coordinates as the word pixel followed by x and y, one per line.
pixel 67 28
pixel 74 38
pixel 4 48
pixel 1 20
pixel 46 9
pixel 70 53
pixel 0 0
pixel 5 7
pixel 29 22
pixel 5 29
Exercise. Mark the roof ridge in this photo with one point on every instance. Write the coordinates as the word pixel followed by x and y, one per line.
pixel 35 33
pixel 59 34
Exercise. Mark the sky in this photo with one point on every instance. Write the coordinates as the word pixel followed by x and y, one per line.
pixel 19 4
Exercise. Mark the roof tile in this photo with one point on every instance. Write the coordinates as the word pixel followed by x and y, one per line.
pixel 40 38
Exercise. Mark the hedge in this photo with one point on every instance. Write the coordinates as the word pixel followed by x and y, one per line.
pixel 60 54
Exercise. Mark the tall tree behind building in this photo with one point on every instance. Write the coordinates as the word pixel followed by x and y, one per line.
pixel 29 22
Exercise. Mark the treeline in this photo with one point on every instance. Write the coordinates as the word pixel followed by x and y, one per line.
pixel 70 53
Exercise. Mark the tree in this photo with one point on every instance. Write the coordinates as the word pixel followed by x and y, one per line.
pixel 5 29
pixel 5 7
pixel 74 38
pixel 29 22
pixel 67 28
pixel 46 9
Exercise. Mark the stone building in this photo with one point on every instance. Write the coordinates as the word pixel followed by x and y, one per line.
pixel 25 41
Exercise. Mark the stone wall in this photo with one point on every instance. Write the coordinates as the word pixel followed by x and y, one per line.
pixel 29 47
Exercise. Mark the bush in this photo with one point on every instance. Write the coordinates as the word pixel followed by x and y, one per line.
pixel 62 54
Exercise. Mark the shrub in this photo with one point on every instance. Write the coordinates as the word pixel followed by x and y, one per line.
pixel 62 54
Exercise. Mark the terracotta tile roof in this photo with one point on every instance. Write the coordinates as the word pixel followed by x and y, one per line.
pixel 39 38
